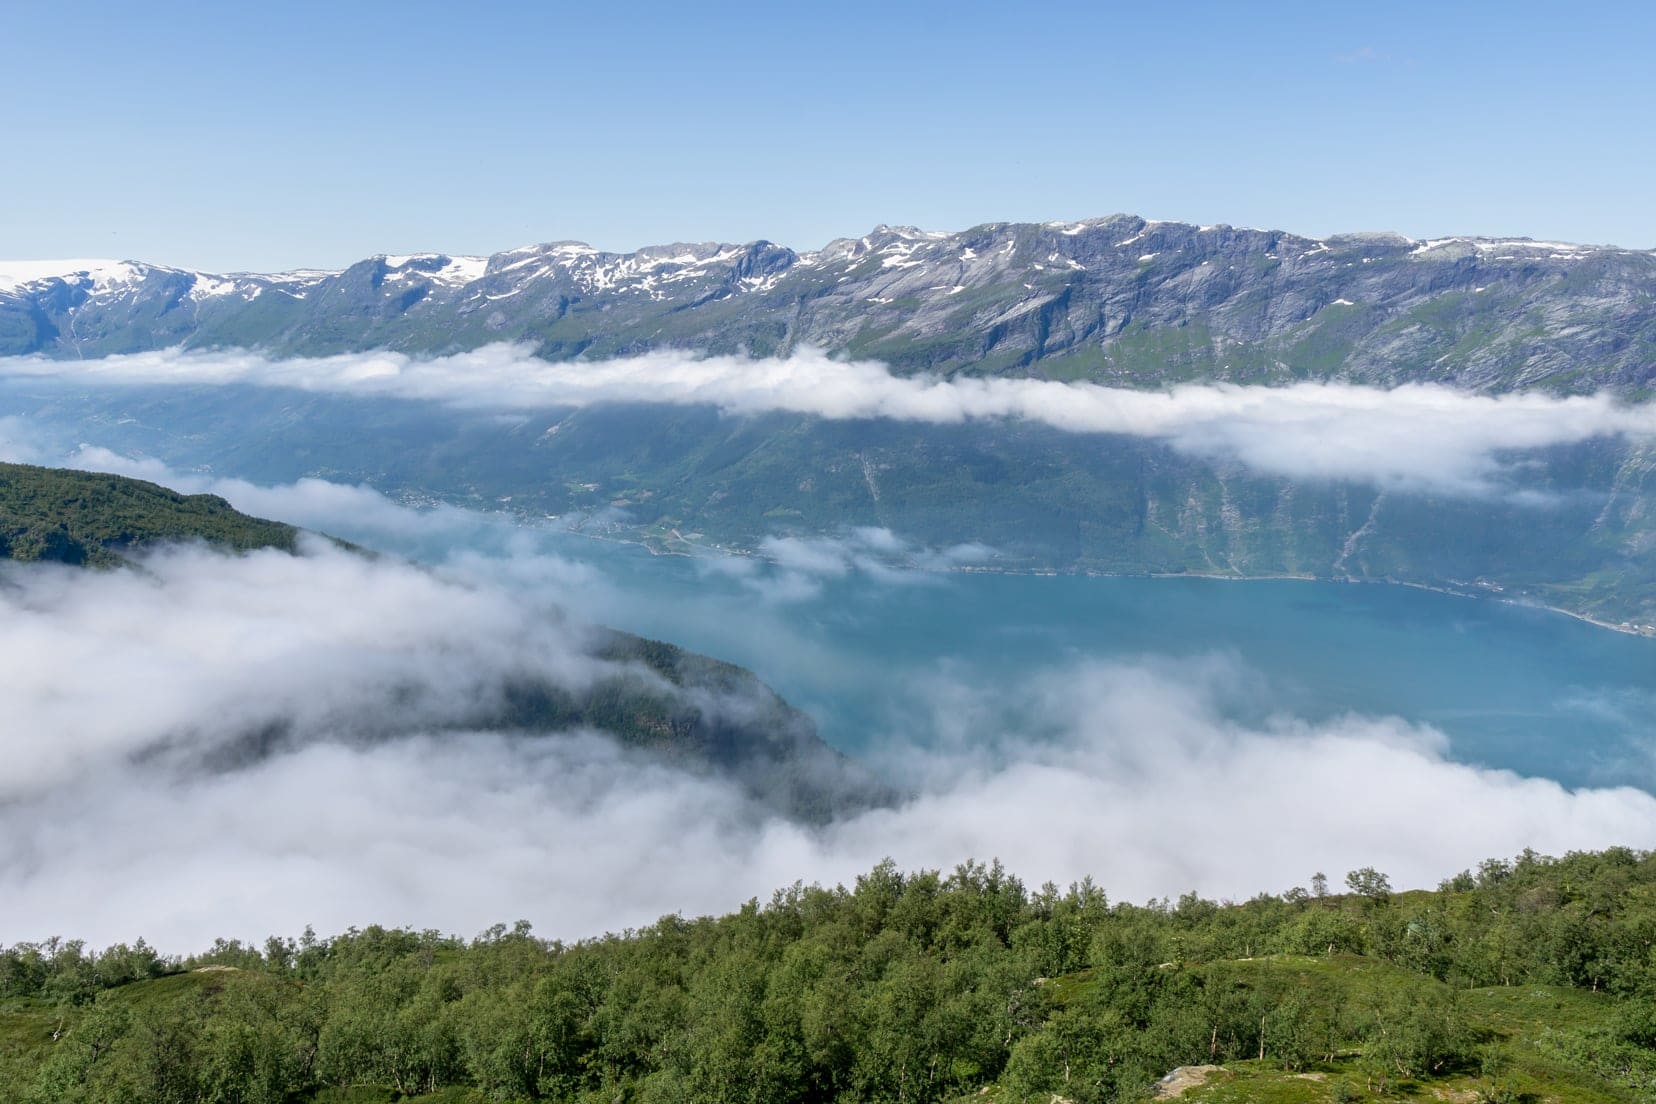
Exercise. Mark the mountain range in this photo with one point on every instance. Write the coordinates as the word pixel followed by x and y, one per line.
pixel 1120 300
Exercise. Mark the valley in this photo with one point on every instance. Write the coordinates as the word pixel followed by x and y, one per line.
pixel 676 554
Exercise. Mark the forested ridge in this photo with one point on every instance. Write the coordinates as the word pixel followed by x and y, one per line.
pixel 1532 979
pixel 79 517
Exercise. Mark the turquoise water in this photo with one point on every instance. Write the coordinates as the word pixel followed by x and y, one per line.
pixel 1512 687
pixel 1524 689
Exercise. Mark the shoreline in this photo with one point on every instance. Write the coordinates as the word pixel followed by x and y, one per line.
pixel 656 546
pixel 1471 591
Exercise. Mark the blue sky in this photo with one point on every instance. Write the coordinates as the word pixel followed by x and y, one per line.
pixel 269 136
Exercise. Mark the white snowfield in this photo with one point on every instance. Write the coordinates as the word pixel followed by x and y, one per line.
pixel 102 277
pixel 15 274
pixel 456 271
pixel 1506 249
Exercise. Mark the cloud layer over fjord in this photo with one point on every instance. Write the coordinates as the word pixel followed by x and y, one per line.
pixel 789 569
pixel 198 651
pixel 1131 772
pixel 785 568
pixel 1417 436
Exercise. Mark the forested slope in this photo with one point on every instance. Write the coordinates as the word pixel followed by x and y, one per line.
pixel 1528 980
pixel 89 518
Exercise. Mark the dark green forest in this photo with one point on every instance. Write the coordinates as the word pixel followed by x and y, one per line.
pixel 1525 980
pixel 89 518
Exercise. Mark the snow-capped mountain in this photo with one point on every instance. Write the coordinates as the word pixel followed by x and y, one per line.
pixel 1119 299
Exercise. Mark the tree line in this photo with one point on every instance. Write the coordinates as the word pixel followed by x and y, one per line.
pixel 904 987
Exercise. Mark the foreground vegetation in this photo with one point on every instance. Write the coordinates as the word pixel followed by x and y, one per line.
pixel 1529 980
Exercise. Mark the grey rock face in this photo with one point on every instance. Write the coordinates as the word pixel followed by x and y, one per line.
pixel 1118 300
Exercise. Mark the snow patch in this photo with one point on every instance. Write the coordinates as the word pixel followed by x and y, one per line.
pixel 1506 249
pixel 212 287
pixel 15 274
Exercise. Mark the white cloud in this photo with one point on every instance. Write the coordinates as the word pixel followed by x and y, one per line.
pixel 1417 436
pixel 118 818
pixel 1132 772
pixel 199 650
pixel 316 504
pixel 786 569
pixel 794 569
pixel 21 443
pixel 1144 781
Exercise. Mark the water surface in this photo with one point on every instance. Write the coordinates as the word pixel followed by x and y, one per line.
pixel 1513 687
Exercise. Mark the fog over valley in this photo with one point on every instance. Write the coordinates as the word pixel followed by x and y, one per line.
pixel 1413 437
pixel 297 732
pixel 594 555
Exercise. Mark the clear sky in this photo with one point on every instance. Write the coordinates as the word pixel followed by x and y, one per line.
pixel 262 136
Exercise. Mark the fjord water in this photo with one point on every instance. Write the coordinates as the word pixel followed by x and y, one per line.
pixel 873 657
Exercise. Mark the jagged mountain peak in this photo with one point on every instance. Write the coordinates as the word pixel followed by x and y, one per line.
pixel 1120 299
pixel 15 275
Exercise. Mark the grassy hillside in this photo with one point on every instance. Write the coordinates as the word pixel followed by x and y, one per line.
pixel 1528 981
pixel 80 517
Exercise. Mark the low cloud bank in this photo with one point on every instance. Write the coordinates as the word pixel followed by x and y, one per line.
pixel 785 569
pixel 354 510
pixel 197 653
pixel 795 569
pixel 114 823
pixel 1414 437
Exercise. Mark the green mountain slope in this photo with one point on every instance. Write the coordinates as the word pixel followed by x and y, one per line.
pixel 86 518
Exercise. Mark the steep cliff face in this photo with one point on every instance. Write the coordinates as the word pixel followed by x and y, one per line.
pixel 1118 300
